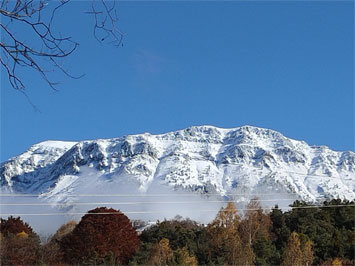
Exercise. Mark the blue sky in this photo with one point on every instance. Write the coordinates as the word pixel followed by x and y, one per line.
pixel 288 66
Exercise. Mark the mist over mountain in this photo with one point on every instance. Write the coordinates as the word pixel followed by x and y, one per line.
pixel 144 172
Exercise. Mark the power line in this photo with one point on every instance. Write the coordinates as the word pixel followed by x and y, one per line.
pixel 165 211
pixel 133 202
pixel 149 195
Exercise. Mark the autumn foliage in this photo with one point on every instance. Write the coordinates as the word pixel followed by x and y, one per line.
pixel 297 255
pixel 19 244
pixel 301 236
pixel 102 235
pixel 227 246
pixel 162 253
pixel 14 226
pixel 50 252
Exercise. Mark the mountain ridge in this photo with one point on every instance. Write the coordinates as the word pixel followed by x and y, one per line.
pixel 200 159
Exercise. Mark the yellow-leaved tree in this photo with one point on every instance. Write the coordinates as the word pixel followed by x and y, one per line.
pixel 297 255
pixel 307 254
pixel 293 254
pixel 226 246
pixel 161 254
pixel 255 221
pixel 183 257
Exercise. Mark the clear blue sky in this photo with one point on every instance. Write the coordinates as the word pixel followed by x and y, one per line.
pixel 286 66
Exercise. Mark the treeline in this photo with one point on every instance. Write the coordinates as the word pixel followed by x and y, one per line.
pixel 304 235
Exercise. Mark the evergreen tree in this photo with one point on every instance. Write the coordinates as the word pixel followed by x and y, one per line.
pixel 329 228
pixel 280 233
pixel 142 256
pixel 265 251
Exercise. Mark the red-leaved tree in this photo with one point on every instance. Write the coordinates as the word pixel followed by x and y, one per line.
pixel 19 244
pixel 14 226
pixel 102 235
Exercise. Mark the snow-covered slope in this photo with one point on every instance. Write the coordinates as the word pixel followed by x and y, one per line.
pixel 191 172
pixel 201 159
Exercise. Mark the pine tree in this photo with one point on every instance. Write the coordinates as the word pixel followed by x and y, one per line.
pixel 265 251
pixel 280 233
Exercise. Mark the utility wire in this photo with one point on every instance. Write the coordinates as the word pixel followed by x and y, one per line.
pixel 133 202
pixel 147 195
pixel 165 211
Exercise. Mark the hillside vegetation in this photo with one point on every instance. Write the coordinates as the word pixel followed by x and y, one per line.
pixel 304 235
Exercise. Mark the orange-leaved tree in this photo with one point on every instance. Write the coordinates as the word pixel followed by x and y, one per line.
pixel 226 246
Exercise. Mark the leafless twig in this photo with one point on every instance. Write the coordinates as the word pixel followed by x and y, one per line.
pixel 36 18
pixel 105 22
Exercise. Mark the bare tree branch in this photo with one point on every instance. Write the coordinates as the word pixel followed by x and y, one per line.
pixel 36 17
pixel 105 22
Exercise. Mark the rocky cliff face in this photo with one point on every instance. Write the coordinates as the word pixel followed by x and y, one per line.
pixel 202 159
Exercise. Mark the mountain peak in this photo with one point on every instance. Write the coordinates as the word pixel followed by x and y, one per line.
pixel 199 159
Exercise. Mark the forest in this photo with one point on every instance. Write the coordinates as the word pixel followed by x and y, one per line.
pixel 305 234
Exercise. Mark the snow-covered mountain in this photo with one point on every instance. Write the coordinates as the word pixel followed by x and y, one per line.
pixel 200 159
pixel 212 163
